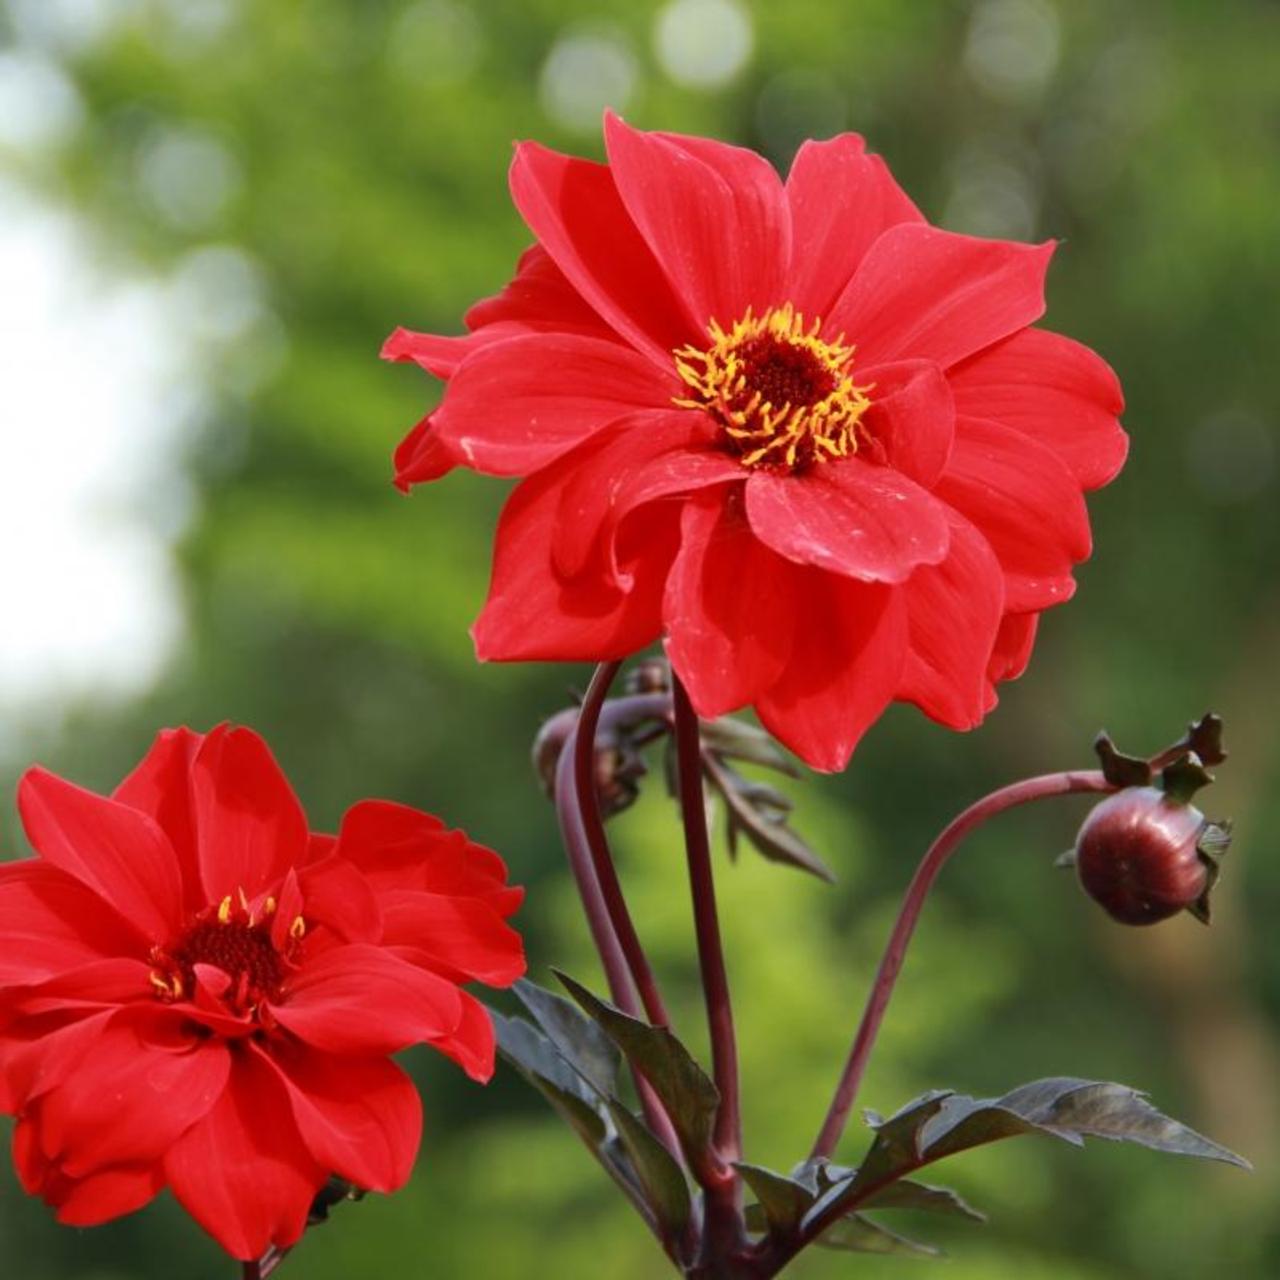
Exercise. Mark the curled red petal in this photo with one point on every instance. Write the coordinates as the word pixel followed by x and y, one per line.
pixel 465 939
pixel 849 517
pixel 639 459
pixel 727 644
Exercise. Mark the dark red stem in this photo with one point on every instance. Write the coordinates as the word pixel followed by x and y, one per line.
pixel 614 963
pixel 251 1271
pixel 584 772
pixel 724 1224
pixel 1050 784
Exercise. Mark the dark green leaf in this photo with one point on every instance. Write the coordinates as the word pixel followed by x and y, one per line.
pixel 783 1201
pixel 861 1235
pixel 905 1194
pixel 740 740
pixel 536 1058
pixel 1069 1108
pixel 661 1179
pixel 754 811
pixel 577 1038
pixel 687 1092
pixel 941 1124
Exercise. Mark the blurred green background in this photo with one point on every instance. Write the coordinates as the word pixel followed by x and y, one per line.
pixel 286 182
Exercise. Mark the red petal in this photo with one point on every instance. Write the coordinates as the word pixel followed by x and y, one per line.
pixel 155 1086
pixel 161 787
pixel 728 644
pixel 539 297
pixel 465 939
pixel 250 826
pixel 1014 642
pixel 573 207
pixel 849 517
pixel 933 294
pixel 519 404
pixel 397 847
pixel 841 201
pixel 851 642
pixel 360 999
pixel 44 1057
pixel 953 613
pixel 111 1193
pixel 335 894
pixel 533 613
pixel 117 851
pixel 422 456
pixel 441 354
pixel 243 1172
pixel 912 416
pixel 715 216
pixel 640 459
pixel 51 922
pixel 1054 389
pixel 1025 502
pixel 360 1118
pixel 471 1045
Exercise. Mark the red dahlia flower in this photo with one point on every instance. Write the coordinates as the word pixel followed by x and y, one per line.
pixel 806 438
pixel 197 992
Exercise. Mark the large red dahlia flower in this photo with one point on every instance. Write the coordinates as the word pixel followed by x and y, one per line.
pixel 806 438
pixel 197 992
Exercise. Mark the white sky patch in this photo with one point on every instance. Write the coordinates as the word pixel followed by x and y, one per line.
pixel 93 413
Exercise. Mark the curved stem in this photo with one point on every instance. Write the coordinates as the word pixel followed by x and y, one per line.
pixel 612 960
pixel 584 772
pixel 1050 784
pixel 250 1271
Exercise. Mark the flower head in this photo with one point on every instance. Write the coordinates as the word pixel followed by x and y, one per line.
pixel 805 438
pixel 198 992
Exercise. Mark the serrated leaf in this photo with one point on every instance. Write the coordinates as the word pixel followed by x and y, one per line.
pixel 686 1091
pixel 861 1235
pixel 783 1201
pixel 906 1194
pixel 579 1040
pixel 661 1180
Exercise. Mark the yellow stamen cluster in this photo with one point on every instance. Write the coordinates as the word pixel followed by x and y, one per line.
pixel 243 926
pixel 784 397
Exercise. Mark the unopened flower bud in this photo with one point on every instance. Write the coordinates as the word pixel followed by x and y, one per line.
pixel 1144 855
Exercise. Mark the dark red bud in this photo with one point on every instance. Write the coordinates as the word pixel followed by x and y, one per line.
pixel 1139 856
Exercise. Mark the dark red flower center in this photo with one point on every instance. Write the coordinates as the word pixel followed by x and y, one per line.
pixel 783 396
pixel 235 942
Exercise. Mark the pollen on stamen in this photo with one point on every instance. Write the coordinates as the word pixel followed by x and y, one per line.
pixel 784 397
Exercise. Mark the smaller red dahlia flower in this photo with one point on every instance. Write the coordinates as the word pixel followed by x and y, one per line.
pixel 198 992
pixel 808 440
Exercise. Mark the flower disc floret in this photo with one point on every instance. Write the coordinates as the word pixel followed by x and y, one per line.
pixel 783 396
